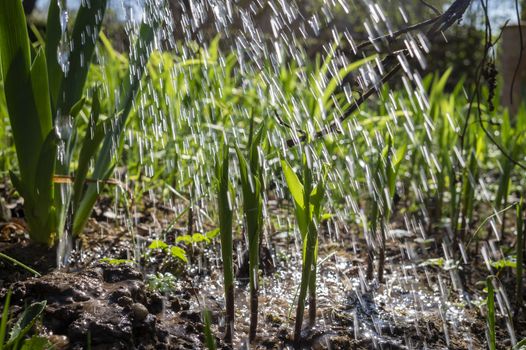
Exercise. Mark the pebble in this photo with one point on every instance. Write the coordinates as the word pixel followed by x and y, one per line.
pixel 140 312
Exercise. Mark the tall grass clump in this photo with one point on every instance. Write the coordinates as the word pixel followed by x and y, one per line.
pixel 225 209
pixel 308 198
pixel 252 187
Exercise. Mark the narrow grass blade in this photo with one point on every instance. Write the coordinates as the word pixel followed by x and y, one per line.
pixel 491 314
pixel 18 263
pixel 5 318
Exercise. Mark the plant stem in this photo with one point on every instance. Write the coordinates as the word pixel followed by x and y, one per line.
pixel 381 262
pixel 520 251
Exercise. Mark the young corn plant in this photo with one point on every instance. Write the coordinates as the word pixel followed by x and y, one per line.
pixel 252 187
pixel 383 186
pixel 225 209
pixel 308 200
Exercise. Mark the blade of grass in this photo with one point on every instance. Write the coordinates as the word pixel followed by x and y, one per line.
pixel 5 318
pixel 491 314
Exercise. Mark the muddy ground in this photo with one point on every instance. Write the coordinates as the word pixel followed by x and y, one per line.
pixel 104 300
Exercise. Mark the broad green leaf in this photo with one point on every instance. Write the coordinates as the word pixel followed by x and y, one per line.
pixel 15 62
pixel 53 34
pixel 293 183
pixel 158 244
pixel 212 234
pixel 14 42
pixel 178 253
pixel 39 81
pixel 502 263
pixel 296 189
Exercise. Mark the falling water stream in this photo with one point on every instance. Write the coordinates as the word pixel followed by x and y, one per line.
pixel 179 119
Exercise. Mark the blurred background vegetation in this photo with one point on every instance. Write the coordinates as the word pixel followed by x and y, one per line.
pixel 465 42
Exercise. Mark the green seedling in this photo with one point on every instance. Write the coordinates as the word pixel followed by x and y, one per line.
pixel 252 186
pixel 308 200
pixel 225 208
pixel 164 283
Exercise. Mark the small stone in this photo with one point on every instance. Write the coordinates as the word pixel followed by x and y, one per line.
pixel 140 312
pixel 125 301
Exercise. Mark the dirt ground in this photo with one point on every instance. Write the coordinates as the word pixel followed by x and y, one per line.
pixel 107 303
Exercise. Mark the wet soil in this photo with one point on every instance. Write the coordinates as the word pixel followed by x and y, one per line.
pixel 101 305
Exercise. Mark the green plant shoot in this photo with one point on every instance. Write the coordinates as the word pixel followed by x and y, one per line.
pixel 307 203
pixel 225 208
pixel 252 186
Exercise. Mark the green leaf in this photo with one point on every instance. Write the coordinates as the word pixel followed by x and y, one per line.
pixel 520 345
pixel 294 184
pixel 502 263
pixel 212 234
pixel 18 185
pixel 77 107
pixel 116 261
pixel 53 34
pixel 178 253
pixel 296 190
pixel 209 338
pixel 491 314
pixel 36 343
pixel 128 91
pixel 5 318
pixel 336 80
pixel 26 322
pixel 158 244
pixel 14 42
pixel 91 143
pixel 83 39
pixel 39 81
